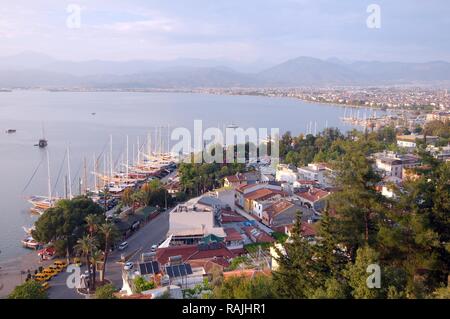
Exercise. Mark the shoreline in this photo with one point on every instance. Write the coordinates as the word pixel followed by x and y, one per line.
pixel 14 271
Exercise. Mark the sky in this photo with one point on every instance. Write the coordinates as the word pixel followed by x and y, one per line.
pixel 239 30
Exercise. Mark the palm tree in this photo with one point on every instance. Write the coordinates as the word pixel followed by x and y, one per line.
pixel 92 223
pixel 96 257
pixel 127 197
pixel 110 233
pixel 85 247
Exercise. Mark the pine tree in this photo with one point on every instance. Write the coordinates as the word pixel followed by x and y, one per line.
pixel 298 275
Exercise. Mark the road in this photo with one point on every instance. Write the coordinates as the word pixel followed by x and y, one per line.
pixel 141 241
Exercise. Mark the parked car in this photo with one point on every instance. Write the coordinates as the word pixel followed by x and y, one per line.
pixel 45 285
pixel 154 248
pixel 128 266
pixel 123 245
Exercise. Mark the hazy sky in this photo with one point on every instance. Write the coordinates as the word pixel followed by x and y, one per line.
pixel 246 30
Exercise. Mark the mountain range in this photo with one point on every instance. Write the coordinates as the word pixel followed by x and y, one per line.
pixel 30 69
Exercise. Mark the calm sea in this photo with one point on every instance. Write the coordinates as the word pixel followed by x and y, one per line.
pixel 68 120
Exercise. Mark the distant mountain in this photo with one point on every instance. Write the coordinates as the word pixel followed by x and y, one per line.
pixel 308 71
pixel 32 69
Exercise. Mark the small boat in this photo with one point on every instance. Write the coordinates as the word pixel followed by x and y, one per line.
pixel 10 131
pixel 93 113
pixel 42 143
pixel 30 242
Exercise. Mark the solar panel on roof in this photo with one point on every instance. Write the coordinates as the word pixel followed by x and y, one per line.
pixel 188 269
pixel 182 270
pixel 156 267
pixel 176 271
pixel 149 268
pixel 142 268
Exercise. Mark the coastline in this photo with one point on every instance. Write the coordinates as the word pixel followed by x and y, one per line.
pixel 14 270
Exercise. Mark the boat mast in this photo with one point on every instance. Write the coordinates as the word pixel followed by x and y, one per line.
pixel 149 144
pixel 48 179
pixel 95 173
pixel 68 172
pixel 110 157
pixel 85 176
pixel 126 174
pixel 138 151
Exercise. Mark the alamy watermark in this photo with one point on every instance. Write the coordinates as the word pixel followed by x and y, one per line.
pixel 374 279
pixel 73 21
pixel 233 145
pixel 374 19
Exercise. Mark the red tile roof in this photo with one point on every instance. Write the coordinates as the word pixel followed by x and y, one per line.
pixel 233 179
pixel 258 235
pixel 229 216
pixel 313 194
pixel 232 234
pixel 262 194
pixel 308 230
pixel 191 252
pixel 278 207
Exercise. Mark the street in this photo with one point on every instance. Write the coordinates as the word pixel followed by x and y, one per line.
pixel 141 241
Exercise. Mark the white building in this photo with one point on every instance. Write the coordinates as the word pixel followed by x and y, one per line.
pixel 286 173
pixel 410 141
pixel 191 222
pixel 392 164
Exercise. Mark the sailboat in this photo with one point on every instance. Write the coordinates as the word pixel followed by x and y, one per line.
pixel 43 141
pixel 42 203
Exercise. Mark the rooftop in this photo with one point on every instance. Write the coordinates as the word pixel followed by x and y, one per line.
pixel 313 194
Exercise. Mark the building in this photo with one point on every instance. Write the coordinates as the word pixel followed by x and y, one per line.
pixel 441 153
pixel 410 141
pixel 255 202
pixel 286 173
pixel 313 198
pixel 438 116
pixel 256 235
pixel 234 180
pixel 243 190
pixel 192 222
pixel 280 214
pixel 319 172
pixel 217 252
pixel 234 239
pixel 392 164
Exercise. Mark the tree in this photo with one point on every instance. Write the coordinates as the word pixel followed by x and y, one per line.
pixel 66 221
pixel 85 246
pixel 28 290
pixel 329 256
pixel 298 275
pixel 110 234
pixel 96 257
pixel 141 284
pixel 127 197
pixel 358 205
pixel 258 287
pixel 91 224
pixel 356 274
pixel 105 292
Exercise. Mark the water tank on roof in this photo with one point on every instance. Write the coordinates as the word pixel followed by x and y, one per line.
pixel 175 260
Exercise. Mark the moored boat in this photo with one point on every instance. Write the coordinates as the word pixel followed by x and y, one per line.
pixel 30 242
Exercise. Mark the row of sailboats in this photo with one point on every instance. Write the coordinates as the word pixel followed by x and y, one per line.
pixel 115 177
